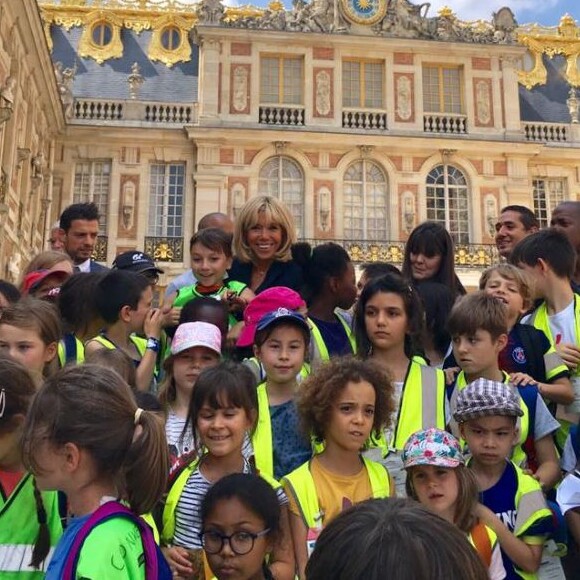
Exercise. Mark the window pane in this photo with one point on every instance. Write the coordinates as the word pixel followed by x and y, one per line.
pixel 269 80
pixel 292 81
pixel 283 178
pixel 447 201
pixel 351 85
pixel 442 90
pixel 166 193
pixel 431 89
pixel 548 193
pixel 92 183
pixel 365 192
pixel 373 85
pixel 281 80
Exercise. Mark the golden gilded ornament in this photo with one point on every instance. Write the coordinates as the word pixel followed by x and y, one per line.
pixel 563 39
pixel 169 41
pixel 101 37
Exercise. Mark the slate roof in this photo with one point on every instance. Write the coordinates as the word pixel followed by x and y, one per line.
pixel 178 84
pixel 547 103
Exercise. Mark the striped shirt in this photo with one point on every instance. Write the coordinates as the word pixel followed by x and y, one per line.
pixel 188 510
pixel 178 445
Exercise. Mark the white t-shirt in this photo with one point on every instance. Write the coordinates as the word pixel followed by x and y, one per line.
pixel 173 431
pixel 562 324
pixel 563 329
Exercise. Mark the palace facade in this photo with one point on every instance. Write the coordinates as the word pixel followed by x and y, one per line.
pixel 364 117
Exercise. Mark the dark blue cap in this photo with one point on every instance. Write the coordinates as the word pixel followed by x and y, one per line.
pixel 282 314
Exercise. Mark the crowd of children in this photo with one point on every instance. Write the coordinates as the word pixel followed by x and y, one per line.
pixel 233 434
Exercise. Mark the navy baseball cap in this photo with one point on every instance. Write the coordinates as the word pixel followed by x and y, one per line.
pixel 279 315
pixel 136 262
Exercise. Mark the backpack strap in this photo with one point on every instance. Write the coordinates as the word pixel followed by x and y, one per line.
pixel 107 511
pixel 530 396
pixel 482 543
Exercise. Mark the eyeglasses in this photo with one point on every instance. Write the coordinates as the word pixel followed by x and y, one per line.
pixel 240 542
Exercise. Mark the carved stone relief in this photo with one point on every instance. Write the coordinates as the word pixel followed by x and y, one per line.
pixel 483 105
pixel 404 97
pixel 323 94
pixel 240 89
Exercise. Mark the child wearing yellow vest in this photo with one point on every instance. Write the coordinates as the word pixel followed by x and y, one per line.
pixel 388 326
pixel 280 345
pixel 30 523
pixel 549 258
pixel 437 477
pixel 85 436
pixel 512 502
pixel 341 405
pixel 223 410
pixel 478 327
pixel 124 301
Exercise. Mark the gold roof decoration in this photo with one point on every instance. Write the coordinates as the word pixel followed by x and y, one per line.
pixel 235 13
pixel 446 12
pixel 164 28
pixel 158 16
pixel 563 39
pixel 101 37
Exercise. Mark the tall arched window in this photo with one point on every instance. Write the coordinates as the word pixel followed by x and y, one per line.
pixel 365 206
pixel 283 178
pixel 447 201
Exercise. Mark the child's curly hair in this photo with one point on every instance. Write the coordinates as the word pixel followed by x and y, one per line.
pixel 319 392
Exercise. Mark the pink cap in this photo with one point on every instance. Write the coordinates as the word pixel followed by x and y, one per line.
pixel 190 334
pixel 267 301
pixel 33 279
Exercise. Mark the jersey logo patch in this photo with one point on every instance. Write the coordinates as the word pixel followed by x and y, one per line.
pixel 519 355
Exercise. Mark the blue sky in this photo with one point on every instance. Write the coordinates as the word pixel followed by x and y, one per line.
pixel 547 12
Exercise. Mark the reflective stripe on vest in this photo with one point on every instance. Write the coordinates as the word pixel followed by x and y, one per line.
pixel 320 351
pixel 422 403
pixel 171 501
pixel 303 487
pixel 17 557
pixel 534 508
pixel 174 494
pixel 518 455
pixel 65 356
pixel 262 436
pixel 530 494
pixel 19 528
pixel 539 319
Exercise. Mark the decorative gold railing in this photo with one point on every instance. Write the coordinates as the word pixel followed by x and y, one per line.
pixel 474 256
pixel 100 251
pixel 164 249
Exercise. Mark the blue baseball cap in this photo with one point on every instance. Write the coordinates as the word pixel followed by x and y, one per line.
pixel 282 314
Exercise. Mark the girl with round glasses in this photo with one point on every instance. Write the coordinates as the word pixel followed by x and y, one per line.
pixel 240 523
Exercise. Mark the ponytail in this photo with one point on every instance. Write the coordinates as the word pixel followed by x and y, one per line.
pixel 147 456
pixel 93 408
